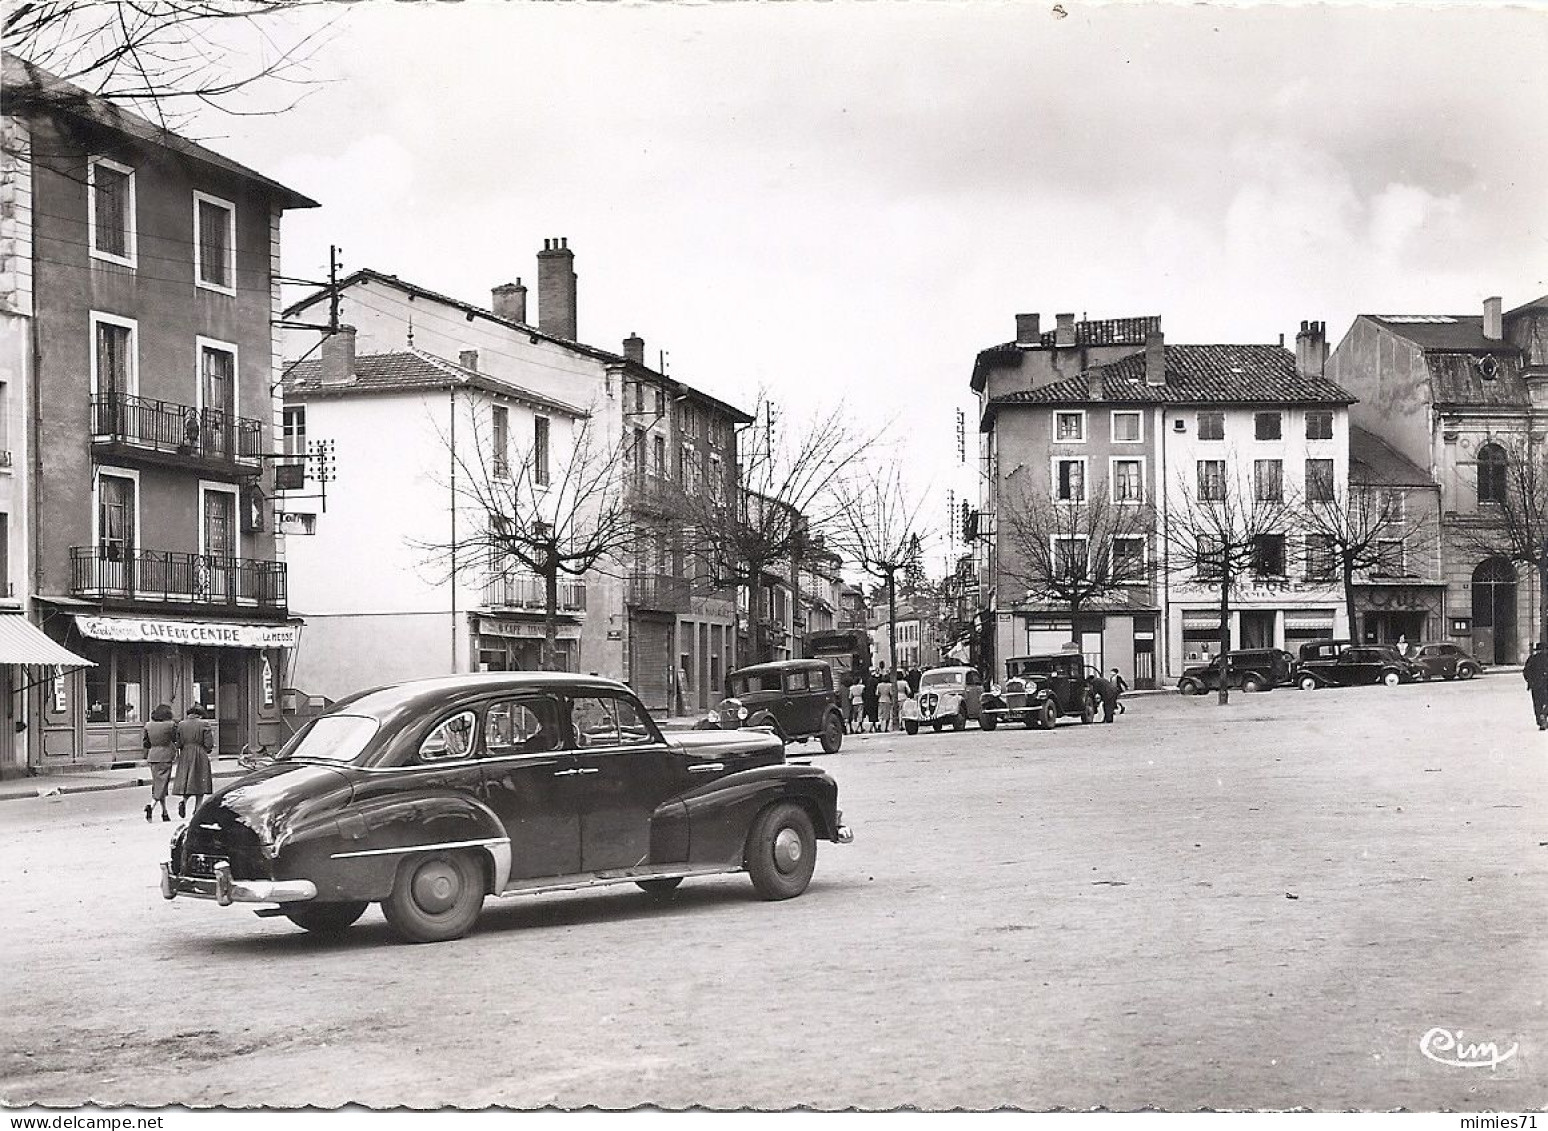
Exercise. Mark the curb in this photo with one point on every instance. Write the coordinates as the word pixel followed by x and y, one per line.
pixel 39 791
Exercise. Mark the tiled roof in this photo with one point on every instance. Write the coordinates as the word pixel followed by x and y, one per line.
pixel 1458 379
pixel 410 371
pixel 1209 374
pixel 1372 461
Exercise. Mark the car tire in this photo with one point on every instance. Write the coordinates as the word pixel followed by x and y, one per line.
pixel 781 851
pixel 959 720
pixel 1466 671
pixel 936 727
pixel 1088 711
pixel 436 897
pixel 666 885
pixel 832 736
pixel 326 918
pixel 988 722
pixel 1306 683
pixel 1391 679
pixel 910 726
pixel 1190 687
pixel 1253 683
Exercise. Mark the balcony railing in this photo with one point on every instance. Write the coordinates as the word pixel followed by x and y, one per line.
pixel 523 591
pixel 188 434
pixel 659 592
pixel 166 577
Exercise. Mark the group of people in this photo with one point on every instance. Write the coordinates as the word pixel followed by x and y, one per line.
pixel 871 697
pixel 183 746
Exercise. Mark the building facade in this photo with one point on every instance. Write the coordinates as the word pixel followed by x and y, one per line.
pixel 1460 396
pixel 150 549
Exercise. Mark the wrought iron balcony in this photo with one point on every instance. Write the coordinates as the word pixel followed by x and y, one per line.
pixel 525 591
pixel 164 577
pixel 659 592
pixel 654 494
pixel 177 434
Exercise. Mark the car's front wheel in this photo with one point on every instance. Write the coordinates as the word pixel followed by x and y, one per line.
pixel 987 722
pixel 1307 683
pixel 1190 687
pixel 326 918
pixel 436 897
pixel 832 734
pixel 1252 683
pixel 1391 679
pixel 781 851
pixel 1466 671
pixel 1047 718
pixel 910 726
pixel 959 721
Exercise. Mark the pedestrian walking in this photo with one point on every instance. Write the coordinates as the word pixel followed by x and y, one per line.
pixel 193 761
pixel 1122 686
pixel 1103 689
pixel 1535 672
pixel 869 697
pixel 914 676
pixel 160 742
pixel 856 704
pixel 886 696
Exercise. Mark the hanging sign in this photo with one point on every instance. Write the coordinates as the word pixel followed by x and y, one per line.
pixel 209 634
pixel 268 683
pixel 60 705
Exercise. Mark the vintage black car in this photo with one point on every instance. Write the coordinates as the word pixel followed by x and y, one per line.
pixel 1446 661
pixel 794 698
pixel 1354 665
pixel 430 795
pixel 1251 669
pixel 1039 689
pixel 948 696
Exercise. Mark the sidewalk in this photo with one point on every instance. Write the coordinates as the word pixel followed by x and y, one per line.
pixel 55 784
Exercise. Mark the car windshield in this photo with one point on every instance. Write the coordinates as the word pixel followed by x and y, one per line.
pixel 941 679
pixel 331 738
pixel 754 683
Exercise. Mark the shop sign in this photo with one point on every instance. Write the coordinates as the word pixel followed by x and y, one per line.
pixel 268 683
pixel 209 634
pixel 60 704
pixel 524 630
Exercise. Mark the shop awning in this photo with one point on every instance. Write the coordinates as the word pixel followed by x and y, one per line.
pixel 22 642
pixel 1309 622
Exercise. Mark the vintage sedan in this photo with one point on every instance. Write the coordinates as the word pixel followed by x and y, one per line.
pixel 1356 665
pixel 1445 660
pixel 1039 689
pixel 431 795
pixel 947 697
pixel 796 699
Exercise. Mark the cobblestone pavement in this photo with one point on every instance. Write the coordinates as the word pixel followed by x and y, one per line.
pixel 1262 906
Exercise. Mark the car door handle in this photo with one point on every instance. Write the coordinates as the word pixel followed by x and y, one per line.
pixel 577 770
pixel 706 768
pixel 565 773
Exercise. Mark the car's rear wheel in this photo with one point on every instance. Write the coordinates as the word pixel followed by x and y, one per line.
pixel 666 885
pixel 326 918
pixel 1190 687
pixel 1307 683
pixel 987 722
pixel 1466 671
pixel 1252 683
pixel 910 726
pixel 436 897
pixel 1391 679
pixel 832 734
pixel 959 721
pixel 1046 718
pixel 781 851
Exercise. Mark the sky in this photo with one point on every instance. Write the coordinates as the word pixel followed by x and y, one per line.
pixel 846 201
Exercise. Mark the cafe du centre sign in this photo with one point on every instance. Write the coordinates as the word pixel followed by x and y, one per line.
pixel 205 634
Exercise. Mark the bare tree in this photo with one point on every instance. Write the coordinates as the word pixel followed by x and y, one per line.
pixel 882 529
pixel 1366 529
pixel 1076 553
pixel 1512 518
pixel 536 512
pixel 781 506
pixel 1222 528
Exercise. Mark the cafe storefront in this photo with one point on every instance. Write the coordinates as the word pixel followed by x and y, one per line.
pixel 232 670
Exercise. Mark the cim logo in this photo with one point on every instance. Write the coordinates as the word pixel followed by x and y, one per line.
pixel 1445 1047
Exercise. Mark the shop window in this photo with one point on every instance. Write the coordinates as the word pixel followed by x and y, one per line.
pixel 115 690
pixel 206 678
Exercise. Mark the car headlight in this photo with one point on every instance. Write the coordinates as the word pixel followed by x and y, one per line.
pixel 741 713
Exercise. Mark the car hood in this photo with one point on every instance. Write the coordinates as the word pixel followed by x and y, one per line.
pixel 278 798
pixel 712 744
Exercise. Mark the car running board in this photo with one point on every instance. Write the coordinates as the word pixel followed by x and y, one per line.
pixel 620 876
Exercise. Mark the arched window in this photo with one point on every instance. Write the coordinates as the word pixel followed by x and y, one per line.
pixel 1491 474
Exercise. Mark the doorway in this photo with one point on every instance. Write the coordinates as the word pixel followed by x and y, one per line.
pixel 1494 611
pixel 1258 628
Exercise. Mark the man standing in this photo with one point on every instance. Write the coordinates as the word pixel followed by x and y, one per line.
pixel 1120 685
pixel 1536 675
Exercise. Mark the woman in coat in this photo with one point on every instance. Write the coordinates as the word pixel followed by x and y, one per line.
pixel 193 764
pixel 160 748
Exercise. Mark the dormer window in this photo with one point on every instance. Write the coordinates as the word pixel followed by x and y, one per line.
pixel 1488 367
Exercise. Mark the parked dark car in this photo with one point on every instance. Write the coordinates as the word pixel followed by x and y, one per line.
pixel 1039 689
pixel 948 696
pixel 794 697
pixel 1252 669
pixel 1357 664
pixel 1446 661
pixel 429 796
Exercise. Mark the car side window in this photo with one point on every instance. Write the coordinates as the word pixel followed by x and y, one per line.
pixel 602 720
pixel 822 681
pixel 451 739
pixel 973 680
pixel 521 726
pixel 795 681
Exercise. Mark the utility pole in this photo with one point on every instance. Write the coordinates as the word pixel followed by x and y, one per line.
pixel 333 288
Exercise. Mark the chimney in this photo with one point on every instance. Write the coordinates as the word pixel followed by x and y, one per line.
pixel 1491 319
pixel 1095 383
pixel 1064 329
pixel 1027 332
pixel 338 357
pixel 1311 349
pixel 468 359
pixel 634 348
pixel 1155 359
pixel 509 301
pixel 556 289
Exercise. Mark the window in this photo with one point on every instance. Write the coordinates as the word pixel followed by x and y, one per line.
pixel 607 721
pixel 638 452
pixel 1390 559
pixel 1319 480
pixel 1212 486
pixel 1491 474
pixel 1268 555
pixel 5 555
pixel 1070 480
pixel 717 479
pixel 1319 424
pixel 1128 481
pixel 500 417
pixel 117 511
pixel 1128 559
pixel 453 738
pixel 1208 558
pixel 294 430
pixel 690 422
pixel 1321 557
pixel 1127 428
pixel 1070 558
pixel 1069 427
pixel 1392 507
pixel 114 372
pixel 540 450
pixel 1267 425
pixel 658 456
pixel 639 396
pixel 521 726
pixel 115 688
pixel 1212 426
pixel 1269 480
pixel 214 243
pixel 689 472
pixel 110 204
pixel 660 401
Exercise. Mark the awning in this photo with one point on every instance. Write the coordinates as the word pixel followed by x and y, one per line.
pixel 206 634
pixel 1208 619
pixel 22 642
pixel 1310 621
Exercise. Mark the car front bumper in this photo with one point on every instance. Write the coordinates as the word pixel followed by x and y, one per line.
pixel 225 890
